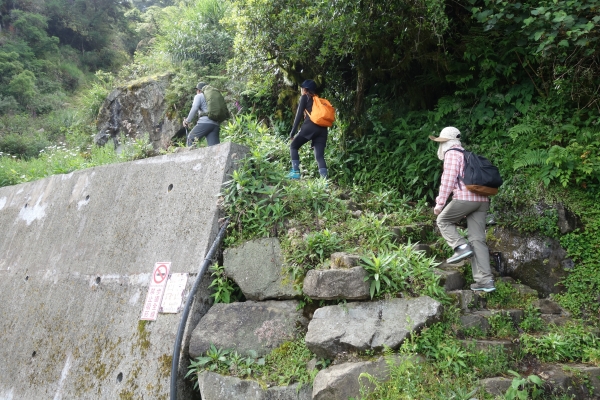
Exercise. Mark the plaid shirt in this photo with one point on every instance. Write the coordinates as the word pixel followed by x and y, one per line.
pixel 454 163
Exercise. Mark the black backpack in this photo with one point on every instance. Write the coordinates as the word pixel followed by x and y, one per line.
pixel 480 175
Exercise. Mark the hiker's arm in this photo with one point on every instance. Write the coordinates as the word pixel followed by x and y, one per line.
pixel 299 114
pixel 194 110
pixel 449 177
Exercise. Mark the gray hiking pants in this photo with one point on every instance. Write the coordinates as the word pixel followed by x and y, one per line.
pixel 476 212
pixel 211 131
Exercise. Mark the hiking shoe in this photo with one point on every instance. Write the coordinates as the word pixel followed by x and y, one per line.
pixel 294 174
pixel 486 287
pixel 461 252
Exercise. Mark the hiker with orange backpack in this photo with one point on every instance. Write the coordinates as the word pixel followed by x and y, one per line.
pixel 318 115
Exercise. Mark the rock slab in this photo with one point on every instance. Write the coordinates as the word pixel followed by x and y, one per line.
pixel 334 284
pixel 368 325
pixel 343 381
pixel 259 326
pixel 214 386
pixel 256 267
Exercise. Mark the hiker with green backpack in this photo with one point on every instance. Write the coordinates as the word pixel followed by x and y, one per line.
pixel 318 114
pixel 212 110
pixel 470 179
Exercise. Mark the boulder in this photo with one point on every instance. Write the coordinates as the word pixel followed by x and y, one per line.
pixel 496 386
pixel 474 320
pixel 547 306
pixel 515 314
pixel 343 260
pixel 534 260
pixel 450 278
pixel 368 325
pixel 567 221
pixel 259 326
pixel 576 380
pixel 418 232
pixel 343 381
pixel 214 386
pixel 135 110
pixel 424 248
pixel 465 299
pixel 334 284
pixel 256 267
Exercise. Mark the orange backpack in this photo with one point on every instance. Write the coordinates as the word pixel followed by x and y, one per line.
pixel 323 113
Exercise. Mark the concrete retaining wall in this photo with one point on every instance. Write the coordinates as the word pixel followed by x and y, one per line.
pixel 76 255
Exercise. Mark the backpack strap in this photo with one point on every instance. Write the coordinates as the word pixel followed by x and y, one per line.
pixel 460 178
pixel 311 96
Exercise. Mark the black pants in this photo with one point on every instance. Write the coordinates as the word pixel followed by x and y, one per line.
pixel 318 136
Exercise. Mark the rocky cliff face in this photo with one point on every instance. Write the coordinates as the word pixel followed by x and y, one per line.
pixel 136 110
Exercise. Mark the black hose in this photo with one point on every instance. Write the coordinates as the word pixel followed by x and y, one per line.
pixel 186 310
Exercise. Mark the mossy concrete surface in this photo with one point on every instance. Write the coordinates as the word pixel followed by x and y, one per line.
pixel 76 255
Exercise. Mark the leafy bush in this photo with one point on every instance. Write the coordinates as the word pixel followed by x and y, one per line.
pixel 502 326
pixel 402 270
pixel 525 388
pixel 412 379
pixel 569 343
pixel 23 146
pixel 283 366
pixel 532 321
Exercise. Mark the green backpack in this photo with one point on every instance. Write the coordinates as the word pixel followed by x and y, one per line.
pixel 217 109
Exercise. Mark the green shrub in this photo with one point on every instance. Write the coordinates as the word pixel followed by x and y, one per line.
pixel 505 296
pixel 568 343
pixel 413 379
pixel 224 289
pixel 501 326
pixel 23 146
pixel 532 321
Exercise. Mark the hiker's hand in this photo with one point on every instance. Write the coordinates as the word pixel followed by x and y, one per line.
pixel 185 123
pixel 438 209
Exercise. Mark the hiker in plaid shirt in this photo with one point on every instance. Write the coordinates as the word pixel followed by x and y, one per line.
pixel 464 203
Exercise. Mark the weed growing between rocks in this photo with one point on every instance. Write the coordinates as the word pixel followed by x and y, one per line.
pixel 283 366
pixel 412 379
pixel 506 296
pixel 570 343
pixel 403 271
pixel 224 290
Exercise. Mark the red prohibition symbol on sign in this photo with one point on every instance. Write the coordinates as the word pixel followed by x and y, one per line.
pixel 160 274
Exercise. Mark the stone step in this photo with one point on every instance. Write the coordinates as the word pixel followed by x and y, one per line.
pixel 480 318
pixel 360 326
pixel 343 381
pixel 418 232
pixel 486 345
pixel 214 386
pixel 579 381
pixel 450 279
pixel 468 300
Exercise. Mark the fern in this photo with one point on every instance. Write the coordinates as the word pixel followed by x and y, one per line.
pixel 531 158
pixel 520 129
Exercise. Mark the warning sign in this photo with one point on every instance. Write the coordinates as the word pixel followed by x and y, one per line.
pixel 156 291
pixel 171 302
